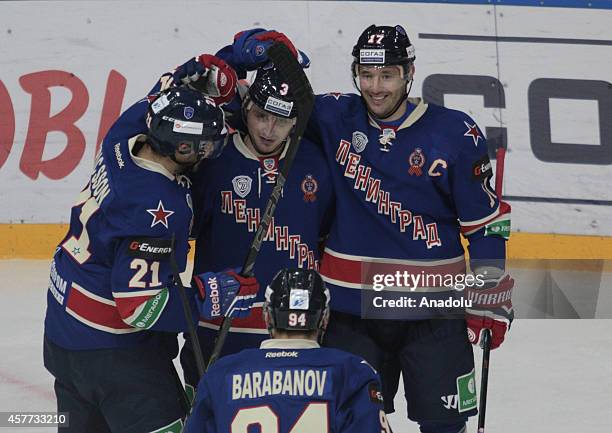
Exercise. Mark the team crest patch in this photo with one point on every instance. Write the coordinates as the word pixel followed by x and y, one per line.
pixel 242 185
pixel 309 187
pixel 188 112
pixel 360 140
pixel 269 164
pixel 417 161
pixel 385 138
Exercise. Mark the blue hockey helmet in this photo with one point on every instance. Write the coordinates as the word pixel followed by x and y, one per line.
pixel 270 92
pixel 297 300
pixel 383 46
pixel 184 120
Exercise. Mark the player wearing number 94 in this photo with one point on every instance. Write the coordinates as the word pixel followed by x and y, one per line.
pixel 290 384
pixel 113 310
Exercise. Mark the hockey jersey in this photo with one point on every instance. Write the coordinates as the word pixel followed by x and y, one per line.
pixel 111 278
pixel 404 194
pixel 230 196
pixel 289 386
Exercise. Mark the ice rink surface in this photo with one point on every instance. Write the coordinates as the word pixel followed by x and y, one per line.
pixel 550 376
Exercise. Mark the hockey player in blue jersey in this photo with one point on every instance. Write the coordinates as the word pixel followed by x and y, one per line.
pixel 113 309
pixel 409 178
pixel 290 384
pixel 230 194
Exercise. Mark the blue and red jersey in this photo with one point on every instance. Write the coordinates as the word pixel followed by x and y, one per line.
pixel 289 386
pixel 404 195
pixel 230 196
pixel 111 278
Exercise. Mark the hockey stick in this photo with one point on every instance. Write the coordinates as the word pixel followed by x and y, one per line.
pixel 486 338
pixel 187 311
pixel 293 73
pixel 500 157
pixel 484 380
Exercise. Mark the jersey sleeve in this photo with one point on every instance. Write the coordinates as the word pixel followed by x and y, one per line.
pixel 142 279
pixel 361 409
pixel 131 123
pixel 484 220
pixel 143 287
pixel 202 418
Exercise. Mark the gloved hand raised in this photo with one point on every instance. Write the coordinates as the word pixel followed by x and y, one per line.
pixel 250 48
pixel 210 75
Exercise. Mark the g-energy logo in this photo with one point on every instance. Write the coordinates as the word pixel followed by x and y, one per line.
pixel 150 248
pixel 481 169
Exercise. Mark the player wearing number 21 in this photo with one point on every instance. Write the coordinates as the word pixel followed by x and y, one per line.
pixel 290 384
pixel 113 310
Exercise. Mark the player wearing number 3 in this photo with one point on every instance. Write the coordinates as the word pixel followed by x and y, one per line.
pixel 113 310
pixel 290 384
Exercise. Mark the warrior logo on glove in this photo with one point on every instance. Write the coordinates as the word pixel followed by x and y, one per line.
pixel 491 308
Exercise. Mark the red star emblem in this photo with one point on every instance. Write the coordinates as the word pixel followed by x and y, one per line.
pixel 472 131
pixel 160 215
pixel 336 95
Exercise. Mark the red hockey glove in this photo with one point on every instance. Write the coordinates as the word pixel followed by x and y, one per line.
pixel 491 309
pixel 210 75
pixel 225 294
pixel 274 36
pixel 250 48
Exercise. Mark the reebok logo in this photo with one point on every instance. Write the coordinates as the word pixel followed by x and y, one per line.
pixel 282 354
pixel 214 296
pixel 120 161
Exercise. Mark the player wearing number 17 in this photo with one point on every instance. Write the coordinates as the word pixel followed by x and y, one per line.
pixel 290 384
pixel 410 178
pixel 113 310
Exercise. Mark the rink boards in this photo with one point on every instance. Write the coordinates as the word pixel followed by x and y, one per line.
pixel 535 78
